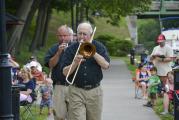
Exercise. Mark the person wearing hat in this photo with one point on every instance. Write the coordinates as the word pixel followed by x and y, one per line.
pixel 37 75
pixel 34 60
pixel 162 56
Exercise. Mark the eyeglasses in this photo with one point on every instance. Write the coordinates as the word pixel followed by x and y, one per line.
pixel 82 33
pixel 62 35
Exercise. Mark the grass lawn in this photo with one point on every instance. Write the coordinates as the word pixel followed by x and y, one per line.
pixel 35 113
pixel 159 108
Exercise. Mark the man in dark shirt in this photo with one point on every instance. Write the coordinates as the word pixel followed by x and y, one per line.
pixel 85 94
pixel 53 59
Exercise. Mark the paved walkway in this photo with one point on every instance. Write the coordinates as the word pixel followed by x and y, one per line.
pixel 119 102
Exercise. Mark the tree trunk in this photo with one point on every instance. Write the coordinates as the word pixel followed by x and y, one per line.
pixel 82 13
pixel 77 13
pixel 87 13
pixel 72 14
pixel 22 14
pixel 40 31
pixel 39 23
pixel 44 27
pixel 30 16
pixel 45 35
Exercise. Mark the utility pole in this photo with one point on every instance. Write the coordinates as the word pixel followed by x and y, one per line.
pixel 176 93
pixel 5 70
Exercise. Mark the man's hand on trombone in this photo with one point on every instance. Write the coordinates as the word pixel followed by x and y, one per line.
pixel 78 59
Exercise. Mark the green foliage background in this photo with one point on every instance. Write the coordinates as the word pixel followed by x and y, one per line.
pixel 148 30
pixel 118 35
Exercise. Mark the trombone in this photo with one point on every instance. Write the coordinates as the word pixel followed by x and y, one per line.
pixel 87 50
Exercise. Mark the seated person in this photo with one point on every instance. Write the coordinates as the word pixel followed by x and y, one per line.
pixel 168 92
pixel 142 76
pixel 38 75
pixel 46 92
pixel 34 60
pixel 27 93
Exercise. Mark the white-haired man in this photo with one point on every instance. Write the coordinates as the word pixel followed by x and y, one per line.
pixel 85 95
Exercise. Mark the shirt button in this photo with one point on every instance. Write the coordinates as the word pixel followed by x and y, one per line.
pixel 85 74
pixel 85 67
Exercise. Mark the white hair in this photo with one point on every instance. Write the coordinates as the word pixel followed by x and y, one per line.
pixel 70 31
pixel 87 25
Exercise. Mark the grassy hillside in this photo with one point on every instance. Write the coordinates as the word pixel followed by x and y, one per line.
pixel 102 26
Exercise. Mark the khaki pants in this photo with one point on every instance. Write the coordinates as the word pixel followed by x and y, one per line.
pixel 85 104
pixel 60 102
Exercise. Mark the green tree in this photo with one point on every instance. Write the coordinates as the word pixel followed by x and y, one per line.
pixel 148 31
pixel 41 11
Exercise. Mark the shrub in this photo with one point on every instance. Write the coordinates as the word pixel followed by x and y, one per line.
pixel 115 46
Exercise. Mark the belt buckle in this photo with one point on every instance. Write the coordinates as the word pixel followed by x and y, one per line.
pixel 87 87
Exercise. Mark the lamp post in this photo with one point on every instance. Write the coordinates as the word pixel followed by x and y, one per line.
pixel 176 93
pixel 5 70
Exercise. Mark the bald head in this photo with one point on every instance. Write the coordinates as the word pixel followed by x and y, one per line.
pixel 85 25
pixel 84 31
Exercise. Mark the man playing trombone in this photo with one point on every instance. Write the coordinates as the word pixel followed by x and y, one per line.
pixel 85 93
pixel 53 60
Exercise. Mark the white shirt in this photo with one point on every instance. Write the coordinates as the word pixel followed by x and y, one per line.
pixel 162 67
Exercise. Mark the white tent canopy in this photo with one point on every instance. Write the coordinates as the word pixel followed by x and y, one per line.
pixel 172 38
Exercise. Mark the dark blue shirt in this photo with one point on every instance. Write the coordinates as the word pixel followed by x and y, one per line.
pixel 57 75
pixel 90 72
pixel 29 85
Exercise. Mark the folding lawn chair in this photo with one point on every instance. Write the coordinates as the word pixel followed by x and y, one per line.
pixel 26 109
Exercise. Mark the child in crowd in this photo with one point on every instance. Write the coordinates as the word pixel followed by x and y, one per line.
pixel 142 77
pixel 153 83
pixel 168 92
pixel 46 92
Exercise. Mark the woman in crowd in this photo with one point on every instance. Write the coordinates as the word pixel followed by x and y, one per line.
pixel 142 76
pixel 27 93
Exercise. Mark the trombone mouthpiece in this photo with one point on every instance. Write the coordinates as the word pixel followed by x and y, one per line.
pixel 81 40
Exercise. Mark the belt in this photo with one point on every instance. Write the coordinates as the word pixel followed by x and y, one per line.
pixel 87 87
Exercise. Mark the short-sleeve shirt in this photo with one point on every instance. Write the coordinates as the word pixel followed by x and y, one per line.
pixel 29 85
pixel 153 80
pixel 162 67
pixel 46 90
pixel 90 71
pixel 57 74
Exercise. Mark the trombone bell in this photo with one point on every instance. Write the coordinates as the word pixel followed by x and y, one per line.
pixel 87 50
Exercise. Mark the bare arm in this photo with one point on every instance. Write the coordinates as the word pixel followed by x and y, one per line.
pixel 13 63
pixel 74 65
pixel 28 92
pixel 101 61
pixel 54 60
pixel 166 59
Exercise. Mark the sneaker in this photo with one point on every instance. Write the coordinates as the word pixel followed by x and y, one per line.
pixel 144 98
pixel 163 113
pixel 148 104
